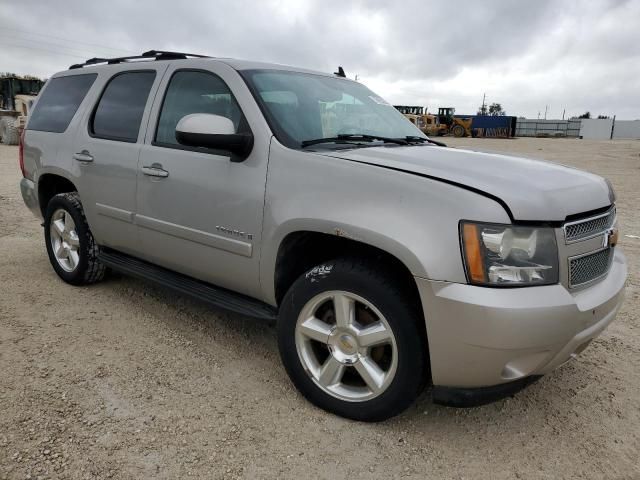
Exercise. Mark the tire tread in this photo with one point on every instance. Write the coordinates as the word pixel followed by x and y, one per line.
pixel 95 270
pixel 405 306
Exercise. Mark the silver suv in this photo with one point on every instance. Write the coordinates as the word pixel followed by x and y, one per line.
pixel 389 261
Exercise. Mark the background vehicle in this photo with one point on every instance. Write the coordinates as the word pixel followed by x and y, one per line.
pixel 458 127
pixel 428 123
pixel 16 98
pixel 444 123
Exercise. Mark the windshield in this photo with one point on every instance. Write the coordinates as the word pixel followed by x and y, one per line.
pixel 301 107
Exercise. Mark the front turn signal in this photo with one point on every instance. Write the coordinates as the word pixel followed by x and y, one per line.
pixel 473 254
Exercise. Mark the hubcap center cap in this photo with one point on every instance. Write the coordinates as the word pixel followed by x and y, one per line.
pixel 343 346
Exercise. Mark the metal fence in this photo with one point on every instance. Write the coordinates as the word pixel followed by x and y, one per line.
pixel 526 127
pixel 626 129
pixel 596 128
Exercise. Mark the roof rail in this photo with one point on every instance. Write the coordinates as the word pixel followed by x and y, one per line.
pixel 149 55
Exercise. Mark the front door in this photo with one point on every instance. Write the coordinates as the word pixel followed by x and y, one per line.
pixel 199 212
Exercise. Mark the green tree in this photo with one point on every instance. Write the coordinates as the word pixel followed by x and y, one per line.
pixel 495 110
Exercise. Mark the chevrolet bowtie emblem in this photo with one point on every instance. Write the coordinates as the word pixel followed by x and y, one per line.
pixel 610 238
pixel 345 343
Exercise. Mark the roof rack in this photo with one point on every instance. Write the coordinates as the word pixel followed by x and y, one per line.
pixel 150 55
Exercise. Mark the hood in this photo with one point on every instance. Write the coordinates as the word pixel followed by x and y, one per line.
pixel 533 190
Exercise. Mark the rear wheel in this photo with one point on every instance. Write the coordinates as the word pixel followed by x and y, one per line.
pixel 351 341
pixel 8 131
pixel 72 250
pixel 458 131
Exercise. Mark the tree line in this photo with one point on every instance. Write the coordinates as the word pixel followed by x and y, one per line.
pixel 20 77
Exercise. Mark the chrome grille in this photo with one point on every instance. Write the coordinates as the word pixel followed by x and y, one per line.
pixel 589 227
pixel 587 268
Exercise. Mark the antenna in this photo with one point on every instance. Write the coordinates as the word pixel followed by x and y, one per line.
pixel 340 72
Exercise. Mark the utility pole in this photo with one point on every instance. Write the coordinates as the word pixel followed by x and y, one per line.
pixel 483 109
pixel 546 107
pixel 613 127
pixel 563 110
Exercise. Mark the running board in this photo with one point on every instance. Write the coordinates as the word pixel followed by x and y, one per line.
pixel 218 297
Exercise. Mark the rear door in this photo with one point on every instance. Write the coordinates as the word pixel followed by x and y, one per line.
pixel 107 147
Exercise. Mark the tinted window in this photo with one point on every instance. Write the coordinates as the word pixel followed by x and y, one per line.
pixel 194 92
pixel 119 112
pixel 59 102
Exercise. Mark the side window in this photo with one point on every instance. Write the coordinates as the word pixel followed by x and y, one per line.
pixel 194 92
pixel 59 102
pixel 119 111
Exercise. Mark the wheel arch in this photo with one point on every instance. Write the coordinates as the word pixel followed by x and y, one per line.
pixel 51 184
pixel 300 250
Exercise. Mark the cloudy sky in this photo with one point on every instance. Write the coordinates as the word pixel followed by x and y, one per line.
pixel 568 55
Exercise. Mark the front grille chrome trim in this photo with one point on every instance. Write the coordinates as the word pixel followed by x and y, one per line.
pixel 600 273
pixel 589 227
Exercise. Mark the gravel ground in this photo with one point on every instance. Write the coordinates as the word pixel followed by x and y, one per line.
pixel 124 380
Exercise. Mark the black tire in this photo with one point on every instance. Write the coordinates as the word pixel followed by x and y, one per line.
pixel 458 131
pixel 10 134
pixel 89 269
pixel 3 128
pixel 403 316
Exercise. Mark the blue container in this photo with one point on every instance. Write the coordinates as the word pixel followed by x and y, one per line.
pixel 490 126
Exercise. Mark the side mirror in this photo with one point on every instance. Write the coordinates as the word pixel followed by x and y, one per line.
pixel 213 131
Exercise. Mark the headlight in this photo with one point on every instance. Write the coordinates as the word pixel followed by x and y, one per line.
pixel 504 255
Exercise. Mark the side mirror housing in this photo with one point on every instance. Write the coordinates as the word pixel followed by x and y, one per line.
pixel 213 131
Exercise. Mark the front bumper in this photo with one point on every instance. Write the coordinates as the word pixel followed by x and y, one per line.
pixel 30 196
pixel 473 397
pixel 484 337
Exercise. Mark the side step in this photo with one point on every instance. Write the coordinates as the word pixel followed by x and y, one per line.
pixel 219 297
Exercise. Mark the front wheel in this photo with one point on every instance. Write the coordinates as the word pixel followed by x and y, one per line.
pixel 352 341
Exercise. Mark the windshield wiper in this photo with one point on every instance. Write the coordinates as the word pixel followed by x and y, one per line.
pixel 346 138
pixel 413 138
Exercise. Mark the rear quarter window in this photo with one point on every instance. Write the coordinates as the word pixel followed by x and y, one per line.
pixel 59 102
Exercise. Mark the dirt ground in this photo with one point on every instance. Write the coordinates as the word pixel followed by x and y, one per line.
pixel 125 380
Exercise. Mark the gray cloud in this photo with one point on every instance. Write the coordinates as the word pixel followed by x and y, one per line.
pixel 570 55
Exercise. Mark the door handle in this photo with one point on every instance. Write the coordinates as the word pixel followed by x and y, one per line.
pixel 83 156
pixel 155 170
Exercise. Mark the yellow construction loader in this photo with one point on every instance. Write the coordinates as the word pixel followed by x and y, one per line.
pixel 444 123
pixel 426 122
pixel 16 99
pixel 458 127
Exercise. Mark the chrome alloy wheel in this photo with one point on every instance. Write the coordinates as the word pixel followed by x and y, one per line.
pixel 346 346
pixel 64 240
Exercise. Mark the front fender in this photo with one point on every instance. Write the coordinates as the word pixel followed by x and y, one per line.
pixel 413 218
